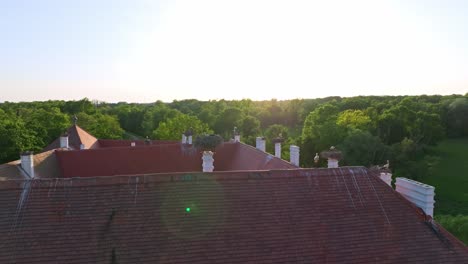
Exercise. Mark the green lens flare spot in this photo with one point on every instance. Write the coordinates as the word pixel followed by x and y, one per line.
pixel 188 209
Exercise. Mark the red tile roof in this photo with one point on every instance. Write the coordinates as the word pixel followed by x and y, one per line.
pixel 344 215
pixel 110 143
pixel 76 137
pixel 162 159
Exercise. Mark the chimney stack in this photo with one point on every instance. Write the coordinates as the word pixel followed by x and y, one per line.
pixel 294 154
pixel 64 141
pixel 236 135
pixel 386 177
pixel 278 142
pixel 333 156
pixel 132 144
pixel 27 163
pixel 208 161
pixel 420 194
pixel 82 146
pixel 260 143
pixel 184 139
pixel 188 134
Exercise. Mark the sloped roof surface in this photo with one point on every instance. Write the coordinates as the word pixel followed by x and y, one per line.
pixel 162 158
pixel 110 143
pixel 343 215
pixel 46 166
pixel 76 137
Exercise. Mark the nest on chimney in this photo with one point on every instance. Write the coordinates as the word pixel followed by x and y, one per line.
pixel 332 153
pixel 208 142
pixel 188 132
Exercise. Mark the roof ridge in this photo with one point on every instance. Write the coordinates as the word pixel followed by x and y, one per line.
pixel 184 176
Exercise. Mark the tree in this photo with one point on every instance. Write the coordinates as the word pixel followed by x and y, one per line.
pixel 173 128
pixel 354 119
pixel 16 137
pixel 227 120
pixel 250 129
pixel 457 118
pixel 101 126
pixel 360 148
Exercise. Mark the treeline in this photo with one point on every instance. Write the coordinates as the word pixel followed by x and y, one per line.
pixel 368 129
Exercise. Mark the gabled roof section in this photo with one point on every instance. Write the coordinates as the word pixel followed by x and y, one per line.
pixel 344 215
pixel 163 158
pixel 76 137
pixel 45 166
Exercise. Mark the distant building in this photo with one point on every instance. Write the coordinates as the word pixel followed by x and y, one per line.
pixel 88 200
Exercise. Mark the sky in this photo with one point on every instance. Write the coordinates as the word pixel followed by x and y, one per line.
pixel 148 50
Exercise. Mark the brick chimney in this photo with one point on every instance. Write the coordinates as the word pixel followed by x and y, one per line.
pixel 27 163
pixel 420 194
pixel 64 141
pixel 208 161
pixel 294 154
pixel 260 143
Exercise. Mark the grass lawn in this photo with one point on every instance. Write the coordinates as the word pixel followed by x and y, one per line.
pixel 450 178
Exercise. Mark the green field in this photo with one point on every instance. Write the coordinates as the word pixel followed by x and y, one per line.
pixel 450 178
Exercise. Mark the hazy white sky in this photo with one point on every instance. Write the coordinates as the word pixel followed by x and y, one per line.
pixel 143 51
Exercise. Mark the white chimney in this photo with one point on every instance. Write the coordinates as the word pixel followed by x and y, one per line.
pixel 294 154
pixel 189 139
pixel 420 194
pixel 208 161
pixel 236 138
pixel 332 163
pixel 184 139
pixel 27 163
pixel 82 146
pixel 132 144
pixel 386 177
pixel 278 150
pixel 64 141
pixel 260 143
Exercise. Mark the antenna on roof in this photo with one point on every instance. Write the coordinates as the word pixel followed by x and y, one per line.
pixel 75 120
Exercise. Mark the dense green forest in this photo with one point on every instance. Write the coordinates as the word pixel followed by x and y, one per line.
pixel 369 130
